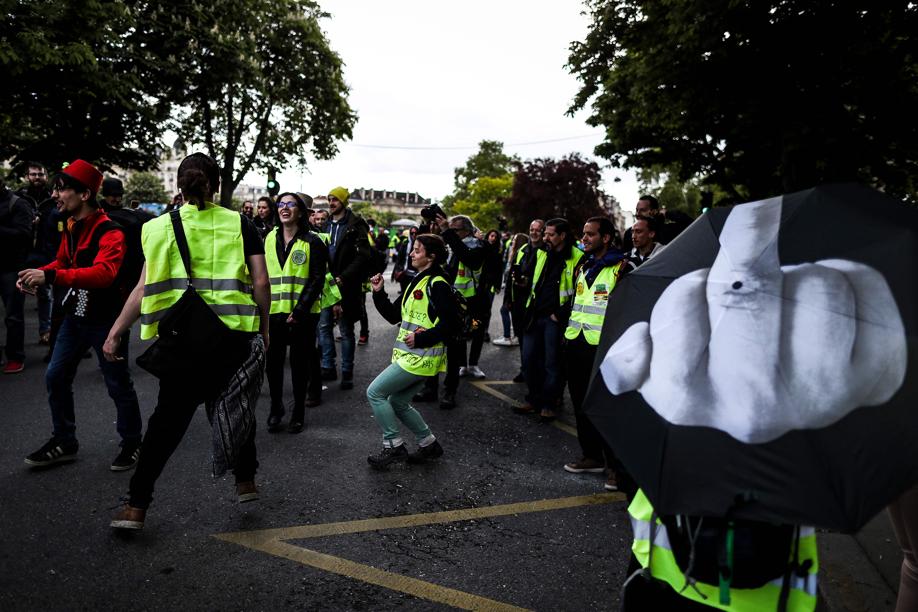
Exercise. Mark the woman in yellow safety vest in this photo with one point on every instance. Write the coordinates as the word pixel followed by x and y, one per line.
pixel 428 315
pixel 228 269
pixel 297 261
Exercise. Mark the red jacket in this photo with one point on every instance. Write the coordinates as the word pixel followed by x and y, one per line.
pixel 107 262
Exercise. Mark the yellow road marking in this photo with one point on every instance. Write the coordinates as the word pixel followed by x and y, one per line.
pixel 272 542
pixel 485 386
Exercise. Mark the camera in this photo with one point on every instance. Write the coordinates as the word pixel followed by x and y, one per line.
pixel 430 212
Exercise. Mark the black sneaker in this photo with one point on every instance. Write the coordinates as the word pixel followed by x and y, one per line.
pixel 424 396
pixel 387 456
pixel 127 458
pixel 448 402
pixel 347 381
pixel 426 453
pixel 54 451
pixel 519 378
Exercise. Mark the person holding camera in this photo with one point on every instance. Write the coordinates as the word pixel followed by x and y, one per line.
pixel 463 270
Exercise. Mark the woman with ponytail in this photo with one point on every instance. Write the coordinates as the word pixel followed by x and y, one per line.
pixel 228 272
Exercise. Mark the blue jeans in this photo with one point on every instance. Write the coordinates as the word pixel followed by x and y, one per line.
pixel 327 341
pixel 505 319
pixel 75 338
pixel 14 307
pixel 44 309
pixel 542 362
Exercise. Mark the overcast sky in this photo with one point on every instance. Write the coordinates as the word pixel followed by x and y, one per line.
pixel 431 75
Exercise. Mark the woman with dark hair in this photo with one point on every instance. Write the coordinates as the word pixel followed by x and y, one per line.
pixel 265 216
pixel 297 260
pixel 428 317
pixel 506 316
pixel 228 272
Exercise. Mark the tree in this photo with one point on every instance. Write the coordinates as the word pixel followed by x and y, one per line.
pixel 145 187
pixel 83 78
pixel 490 160
pixel 485 201
pixel 546 188
pixel 756 98
pixel 262 87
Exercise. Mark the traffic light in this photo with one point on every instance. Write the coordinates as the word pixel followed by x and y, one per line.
pixel 273 185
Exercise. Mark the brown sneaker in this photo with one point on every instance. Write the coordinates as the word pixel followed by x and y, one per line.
pixel 246 491
pixel 585 465
pixel 526 408
pixel 611 482
pixel 129 517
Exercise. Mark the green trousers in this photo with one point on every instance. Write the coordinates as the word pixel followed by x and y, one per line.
pixel 389 395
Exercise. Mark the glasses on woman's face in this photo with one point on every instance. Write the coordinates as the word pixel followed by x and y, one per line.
pixel 285 204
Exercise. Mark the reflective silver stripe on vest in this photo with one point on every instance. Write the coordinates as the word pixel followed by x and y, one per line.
pixel 284 280
pixel 596 310
pixel 807 584
pixel 239 310
pixel 567 293
pixel 642 532
pixel 587 326
pixel 428 352
pixel 290 295
pixel 410 327
pixel 202 284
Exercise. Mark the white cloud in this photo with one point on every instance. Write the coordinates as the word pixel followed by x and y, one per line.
pixel 443 74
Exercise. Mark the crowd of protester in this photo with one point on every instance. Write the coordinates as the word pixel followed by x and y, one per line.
pixel 295 277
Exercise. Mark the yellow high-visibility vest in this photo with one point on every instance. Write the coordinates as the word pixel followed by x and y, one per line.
pixel 218 263
pixel 589 309
pixel 287 283
pixel 421 361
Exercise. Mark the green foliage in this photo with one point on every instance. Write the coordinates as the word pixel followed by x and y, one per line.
pixel 756 98
pixel 80 81
pixel 547 188
pixel 485 201
pixel 262 87
pixel 145 187
pixel 490 161
pixel 367 211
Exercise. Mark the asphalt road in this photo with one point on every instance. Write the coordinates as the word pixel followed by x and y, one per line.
pixel 496 523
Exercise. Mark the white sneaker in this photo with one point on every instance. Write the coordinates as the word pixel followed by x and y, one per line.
pixel 514 341
pixel 502 342
pixel 475 371
pixel 463 371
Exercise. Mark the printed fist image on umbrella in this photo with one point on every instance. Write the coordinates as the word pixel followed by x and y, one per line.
pixel 760 364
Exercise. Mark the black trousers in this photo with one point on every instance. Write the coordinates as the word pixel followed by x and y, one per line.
pixel 305 368
pixel 178 400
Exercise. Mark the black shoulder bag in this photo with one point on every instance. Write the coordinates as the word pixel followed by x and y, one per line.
pixel 192 338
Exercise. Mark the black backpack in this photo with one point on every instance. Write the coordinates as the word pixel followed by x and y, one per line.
pixel 468 321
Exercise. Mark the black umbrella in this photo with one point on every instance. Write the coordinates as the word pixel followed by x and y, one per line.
pixel 763 363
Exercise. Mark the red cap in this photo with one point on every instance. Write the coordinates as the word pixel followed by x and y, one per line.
pixel 85 173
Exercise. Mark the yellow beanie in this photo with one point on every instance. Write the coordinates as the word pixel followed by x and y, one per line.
pixel 341 193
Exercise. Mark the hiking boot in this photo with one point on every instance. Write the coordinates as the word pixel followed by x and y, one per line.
pixel 347 381
pixel 13 367
pixel 519 378
pixel 363 339
pixel 476 372
pixel 448 402
pixel 329 374
pixel 611 482
pixel 585 466
pixel 426 453
pixel 425 396
pixel 53 451
pixel 129 517
pixel 246 491
pixel 127 458
pixel 388 456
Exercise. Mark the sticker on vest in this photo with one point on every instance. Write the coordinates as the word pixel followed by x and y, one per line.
pixel 418 294
pixel 299 257
pixel 579 287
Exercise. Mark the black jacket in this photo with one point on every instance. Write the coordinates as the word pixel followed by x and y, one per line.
pixel 16 218
pixel 441 305
pixel 350 261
